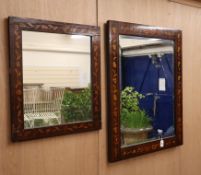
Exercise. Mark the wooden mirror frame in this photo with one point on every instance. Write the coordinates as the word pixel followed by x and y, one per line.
pixel 16 26
pixel 113 30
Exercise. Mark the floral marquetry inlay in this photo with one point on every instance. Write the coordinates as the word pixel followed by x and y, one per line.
pixel 16 26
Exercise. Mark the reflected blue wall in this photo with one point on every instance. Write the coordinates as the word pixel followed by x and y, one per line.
pixel 143 73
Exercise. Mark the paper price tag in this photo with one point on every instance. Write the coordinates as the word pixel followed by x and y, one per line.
pixel 161 82
pixel 161 143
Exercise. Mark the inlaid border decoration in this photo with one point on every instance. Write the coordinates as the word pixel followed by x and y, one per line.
pixel 114 29
pixel 16 26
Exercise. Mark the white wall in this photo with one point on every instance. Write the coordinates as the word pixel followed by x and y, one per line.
pixel 68 57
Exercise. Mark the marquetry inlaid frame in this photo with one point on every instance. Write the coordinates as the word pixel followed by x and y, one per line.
pixel 113 30
pixel 16 26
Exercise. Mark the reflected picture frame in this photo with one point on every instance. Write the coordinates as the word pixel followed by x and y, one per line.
pixel 16 26
pixel 113 30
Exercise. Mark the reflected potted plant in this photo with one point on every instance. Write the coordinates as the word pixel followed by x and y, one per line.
pixel 135 122
pixel 77 106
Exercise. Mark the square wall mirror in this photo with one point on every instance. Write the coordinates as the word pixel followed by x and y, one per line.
pixel 144 89
pixel 54 78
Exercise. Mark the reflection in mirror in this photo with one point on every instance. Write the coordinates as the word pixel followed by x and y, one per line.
pixel 56 79
pixel 147 89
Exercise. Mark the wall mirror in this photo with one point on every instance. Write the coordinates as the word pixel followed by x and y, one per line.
pixel 145 89
pixel 55 78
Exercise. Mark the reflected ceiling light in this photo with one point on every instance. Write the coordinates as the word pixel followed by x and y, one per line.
pixel 77 36
pixel 154 39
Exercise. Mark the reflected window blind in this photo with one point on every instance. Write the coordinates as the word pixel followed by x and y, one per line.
pixel 52 76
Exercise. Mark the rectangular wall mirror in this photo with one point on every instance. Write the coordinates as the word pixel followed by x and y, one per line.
pixel 55 78
pixel 145 89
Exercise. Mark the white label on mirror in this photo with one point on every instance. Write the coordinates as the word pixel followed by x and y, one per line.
pixel 161 84
pixel 161 143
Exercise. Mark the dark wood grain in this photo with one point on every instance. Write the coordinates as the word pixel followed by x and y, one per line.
pixel 113 30
pixel 16 26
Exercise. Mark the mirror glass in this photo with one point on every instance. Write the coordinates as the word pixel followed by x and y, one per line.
pixel 147 89
pixel 56 79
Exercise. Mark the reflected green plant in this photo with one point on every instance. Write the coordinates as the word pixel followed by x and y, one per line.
pixel 77 106
pixel 39 123
pixel 131 114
